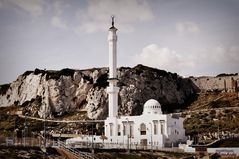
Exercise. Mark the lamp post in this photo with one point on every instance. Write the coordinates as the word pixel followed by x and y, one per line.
pixel 44 126
pixel 25 126
pixel 151 136
pixel 92 132
pixel 128 135
pixel 218 137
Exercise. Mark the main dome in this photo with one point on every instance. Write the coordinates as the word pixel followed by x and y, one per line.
pixel 152 106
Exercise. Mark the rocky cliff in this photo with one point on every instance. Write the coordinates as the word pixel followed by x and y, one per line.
pixel 66 91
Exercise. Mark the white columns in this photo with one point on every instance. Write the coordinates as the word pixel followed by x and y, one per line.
pixel 113 90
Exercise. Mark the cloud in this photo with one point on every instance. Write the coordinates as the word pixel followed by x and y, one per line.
pixel 187 27
pixel 213 60
pixel 96 16
pixel 33 7
pixel 58 22
pixel 59 6
pixel 162 58
pixel 91 16
pixel 221 57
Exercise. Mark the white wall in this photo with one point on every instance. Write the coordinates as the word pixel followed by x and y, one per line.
pixel 159 139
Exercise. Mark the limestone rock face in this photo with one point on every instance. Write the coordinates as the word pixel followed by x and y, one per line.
pixel 56 93
pixel 141 83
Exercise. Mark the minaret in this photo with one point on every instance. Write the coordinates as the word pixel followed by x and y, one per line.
pixel 112 90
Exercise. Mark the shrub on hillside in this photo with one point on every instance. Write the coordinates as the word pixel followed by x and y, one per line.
pixel 4 88
pixel 57 74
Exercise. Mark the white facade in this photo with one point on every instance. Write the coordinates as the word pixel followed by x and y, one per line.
pixel 151 130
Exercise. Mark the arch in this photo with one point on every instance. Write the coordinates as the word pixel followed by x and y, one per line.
pixel 142 129
pixel 119 130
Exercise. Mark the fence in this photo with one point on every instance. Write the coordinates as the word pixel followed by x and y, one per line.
pixel 121 146
pixel 39 142
pixel 27 141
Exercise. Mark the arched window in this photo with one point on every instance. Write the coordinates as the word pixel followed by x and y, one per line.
pixel 111 129
pixel 130 130
pixel 155 128
pixel 162 126
pixel 119 130
pixel 124 130
pixel 142 129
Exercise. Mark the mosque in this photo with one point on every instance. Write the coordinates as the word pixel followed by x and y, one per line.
pixel 151 130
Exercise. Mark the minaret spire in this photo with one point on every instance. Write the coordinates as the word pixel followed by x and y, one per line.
pixel 113 90
pixel 112 17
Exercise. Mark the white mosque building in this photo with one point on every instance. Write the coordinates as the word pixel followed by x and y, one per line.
pixel 151 130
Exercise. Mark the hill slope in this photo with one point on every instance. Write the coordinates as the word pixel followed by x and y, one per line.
pixel 66 91
pixel 213 114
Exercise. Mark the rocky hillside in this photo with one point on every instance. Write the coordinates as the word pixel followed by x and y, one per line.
pixel 214 111
pixel 214 100
pixel 213 114
pixel 66 91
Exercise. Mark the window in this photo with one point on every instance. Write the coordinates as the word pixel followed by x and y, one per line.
pixel 119 130
pixel 155 129
pixel 111 129
pixel 131 131
pixel 142 129
pixel 124 130
pixel 162 126
pixel 162 129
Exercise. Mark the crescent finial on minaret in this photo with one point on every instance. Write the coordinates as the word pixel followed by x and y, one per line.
pixel 113 23
pixel 112 17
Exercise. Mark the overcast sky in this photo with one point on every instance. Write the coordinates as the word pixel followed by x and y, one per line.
pixel 189 37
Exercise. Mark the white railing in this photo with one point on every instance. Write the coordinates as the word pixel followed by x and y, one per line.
pixel 122 146
pixel 75 152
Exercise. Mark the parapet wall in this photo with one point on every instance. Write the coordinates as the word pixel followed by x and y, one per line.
pixel 221 83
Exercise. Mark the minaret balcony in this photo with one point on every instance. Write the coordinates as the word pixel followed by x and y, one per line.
pixel 113 79
pixel 113 89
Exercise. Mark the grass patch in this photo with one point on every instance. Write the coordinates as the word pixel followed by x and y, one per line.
pixel 203 122
pixel 219 104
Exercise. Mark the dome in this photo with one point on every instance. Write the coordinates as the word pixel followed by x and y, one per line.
pixel 152 106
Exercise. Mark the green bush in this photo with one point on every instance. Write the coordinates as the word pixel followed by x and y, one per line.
pixel 102 81
pixel 4 88
pixel 57 74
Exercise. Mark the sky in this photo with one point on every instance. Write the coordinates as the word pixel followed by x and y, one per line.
pixel 187 37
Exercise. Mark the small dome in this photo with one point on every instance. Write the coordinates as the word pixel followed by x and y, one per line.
pixel 152 106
